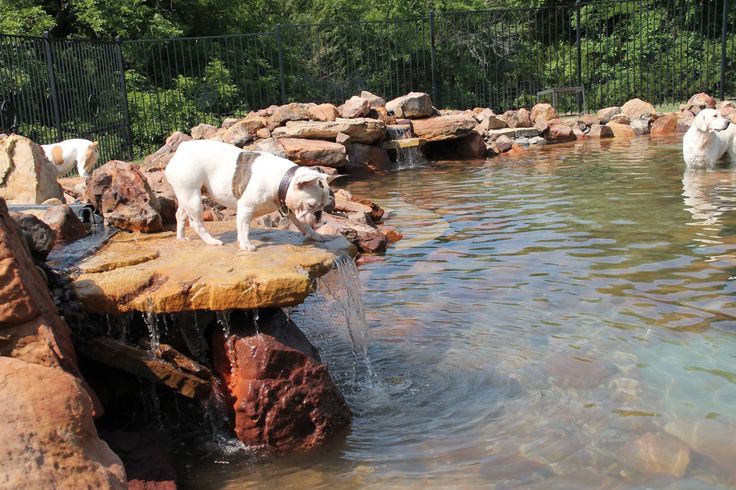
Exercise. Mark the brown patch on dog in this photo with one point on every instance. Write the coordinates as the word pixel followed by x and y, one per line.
pixel 57 155
pixel 242 174
pixel 91 156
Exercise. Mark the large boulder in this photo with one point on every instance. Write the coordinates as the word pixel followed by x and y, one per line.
pixel 489 120
pixel 365 236
pixel 165 195
pixel 281 394
pixel 559 133
pixel 621 130
pixel 605 115
pixel 638 109
pixel 518 118
pixel 640 126
pixel 360 130
pixel 414 105
pixel 700 101
pixel 444 127
pixel 291 112
pixel 244 131
pixel 26 175
pixel 665 125
pixel 314 152
pixel 543 112
pixel 374 100
pixel 323 112
pixel 355 107
pixel 39 236
pixel 65 223
pixel 161 157
pixel 203 131
pixel 120 192
pixel 366 158
pixel 600 131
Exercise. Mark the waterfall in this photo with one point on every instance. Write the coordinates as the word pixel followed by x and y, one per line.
pixel 408 154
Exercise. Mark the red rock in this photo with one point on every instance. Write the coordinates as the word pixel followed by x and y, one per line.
pixel 666 124
pixel 314 152
pixel 203 131
pixel 26 176
pixel 244 131
pixel 605 115
pixel 518 119
pixel 600 131
pixel 621 130
pixel 367 158
pixel 39 236
pixel 414 105
pixel 121 193
pixel 291 112
pixel 162 156
pixel 588 120
pixel 543 112
pixel 65 223
pixel 558 133
pixel 444 127
pixel 355 107
pixel 282 396
pixel 637 108
pixel 374 100
pixel 579 134
pixel 468 147
pixel 165 195
pixel 701 101
pixel 323 112
pixel 504 143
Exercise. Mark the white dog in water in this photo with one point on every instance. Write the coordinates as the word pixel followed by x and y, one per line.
pixel 68 152
pixel 253 183
pixel 708 139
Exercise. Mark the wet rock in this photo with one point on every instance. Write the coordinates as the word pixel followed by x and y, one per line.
pixel 605 115
pixel 600 131
pixel 314 152
pixel 414 105
pixel 162 156
pixel 518 119
pixel 503 144
pixel 278 273
pixel 578 372
pixel 323 112
pixel 121 193
pixel 203 131
pixel 444 127
pixel 621 119
pixel 39 236
pixel 700 101
pixel 559 133
pixel 640 126
pixel 147 458
pixel 282 396
pixel 360 130
pixel 26 176
pixel 49 437
pixel 355 107
pixel 685 121
pixel 579 133
pixel 345 202
pixel 65 223
pixel 543 112
pixel 621 130
pixel 638 109
pixel 367 158
pixel 374 100
pixel 665 125
pixel 365 237
pixel 587 120
pixel 655 453
pixel 468 147
pixel 711 438
pixel 514 467
pixel 291 112
pixel 165 195
pixel 512 133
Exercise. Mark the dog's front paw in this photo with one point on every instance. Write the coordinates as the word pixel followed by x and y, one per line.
pixel 247 247
pixel 215 242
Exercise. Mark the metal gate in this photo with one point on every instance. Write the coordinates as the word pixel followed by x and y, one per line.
pixel 57 89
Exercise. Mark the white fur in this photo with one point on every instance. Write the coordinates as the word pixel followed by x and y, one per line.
pixel 212 164
pixel 708 139
pixel 73 151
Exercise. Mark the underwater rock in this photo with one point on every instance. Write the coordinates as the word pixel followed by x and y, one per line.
pixel 711 438
pixel 122 195
pixel 655 453
pixel 26 176
pixel 570 371
pixel 282 396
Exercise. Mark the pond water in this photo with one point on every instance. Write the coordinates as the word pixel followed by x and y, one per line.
pixel 561 319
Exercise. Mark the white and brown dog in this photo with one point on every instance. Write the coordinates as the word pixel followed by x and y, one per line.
pixel 708 139
pixel 253 183
pixel 68 152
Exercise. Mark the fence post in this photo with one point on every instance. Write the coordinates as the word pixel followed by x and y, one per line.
pixel 124 89
pixel 579 52
pixel 281 63
pixel 433 59
pixel 722 90
pixel 52 85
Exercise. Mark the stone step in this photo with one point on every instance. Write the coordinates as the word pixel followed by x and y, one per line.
pixel 403 143
pixel 511 133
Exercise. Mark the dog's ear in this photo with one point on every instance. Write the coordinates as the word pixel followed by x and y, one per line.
pixel 303 180
pixel 700 123
pixel 330 178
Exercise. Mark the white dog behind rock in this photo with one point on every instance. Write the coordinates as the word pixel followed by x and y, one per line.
pixel 253 183
pixel 68 152
pixel 708 140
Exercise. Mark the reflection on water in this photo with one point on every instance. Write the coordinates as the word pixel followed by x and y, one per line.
pixel 561 319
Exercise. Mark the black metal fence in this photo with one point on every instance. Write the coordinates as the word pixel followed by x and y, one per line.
pixel 131 95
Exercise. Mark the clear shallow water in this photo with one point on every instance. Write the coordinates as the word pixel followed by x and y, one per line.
pixel 543 316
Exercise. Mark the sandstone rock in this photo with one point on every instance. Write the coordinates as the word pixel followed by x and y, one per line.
pixel 122 195
pixel 136 272
pixel 605 115
pixel 291 112
pixel 444 127
pixel 726 104
pixel 543 112
pixel 666 124
pixel 165 195
pixel 314 152
pixel 600 131
pixel 269 145
pixel 381 114
pixel 228 121
pixel 559 133
pixel 203 131
pixel 374 100
pixel 572 372
pixel 621 130
pixel 579 133
pixel 26 176
pixel 346 202
pixel 323 112
pixel 700 101
pixel 490 121
pixel 263 133
pixel 355 107
pixel 640 126
pixel 147 457
pixel 518 119
pixel 366 158
pixel 503 143
pixel 364 236
pixel 49 437
pixel 587 120
pixel 162 156
pixel 620 119
pixel 468 147
pixel 342 139
pixel 244 131
pixel 414 105
pixel 655 453
pixel 282 396
pixel 711 438
pixel 66 224
pixel 361 130
pixel 512 133
pixel 39 236
pixel 637 108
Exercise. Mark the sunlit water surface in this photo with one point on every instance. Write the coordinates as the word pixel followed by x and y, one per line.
pixel 561 319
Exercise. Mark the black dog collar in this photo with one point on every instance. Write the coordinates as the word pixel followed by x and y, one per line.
pixel 284 188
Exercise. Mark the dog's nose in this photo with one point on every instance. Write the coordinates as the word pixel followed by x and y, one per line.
pixel 318 216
